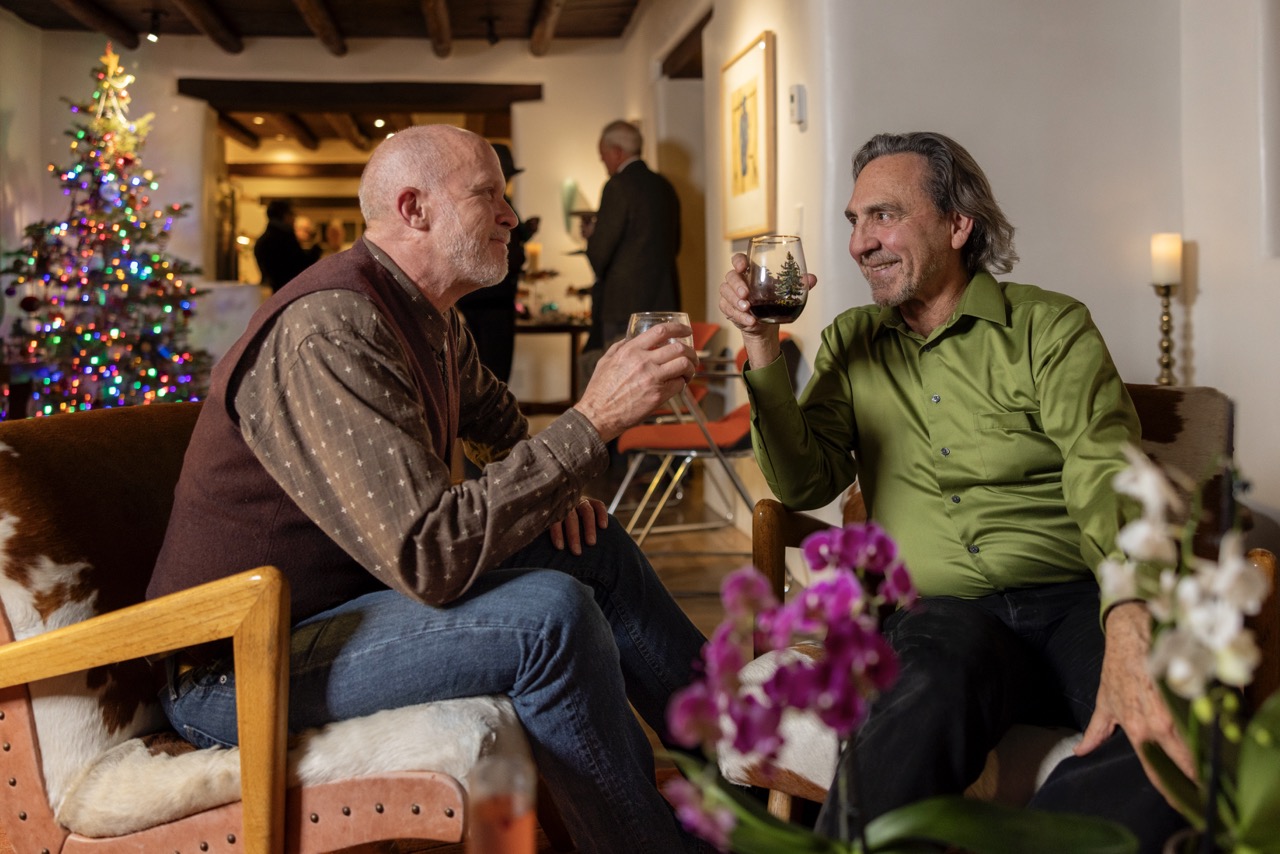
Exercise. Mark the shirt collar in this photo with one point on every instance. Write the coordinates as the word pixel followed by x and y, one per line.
pixel 982 298
pixel 433 323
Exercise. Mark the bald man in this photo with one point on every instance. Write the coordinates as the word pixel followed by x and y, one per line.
pixel 324 448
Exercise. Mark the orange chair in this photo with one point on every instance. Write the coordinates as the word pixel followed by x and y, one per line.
pixel 677 445
pixel 703 333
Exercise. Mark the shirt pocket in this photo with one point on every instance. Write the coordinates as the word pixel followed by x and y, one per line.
pixel 1015 449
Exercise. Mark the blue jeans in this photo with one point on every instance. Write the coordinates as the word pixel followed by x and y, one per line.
pixel 970 668
pixel 568 639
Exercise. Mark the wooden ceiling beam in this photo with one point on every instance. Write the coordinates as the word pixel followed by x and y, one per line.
pixel 209 21
pixel 345 125
pixel 321 22
pixel 229 127
pixel 295 170
pixel 298 129
pixel 274 96
pixel 438 27
pixel 544 27
pixel 95 17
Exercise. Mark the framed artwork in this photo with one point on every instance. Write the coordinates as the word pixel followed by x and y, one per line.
pixel 748 125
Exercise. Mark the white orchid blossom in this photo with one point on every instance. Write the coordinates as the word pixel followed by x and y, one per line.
pixel 1212 621
pixel 1234 579
pixel 1199 610
pixel 1234 663
pixel 1182 662
pixel 1161 605
pixel 1149 540
pixel 1144 481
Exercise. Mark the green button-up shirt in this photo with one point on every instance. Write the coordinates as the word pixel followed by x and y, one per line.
pixel 987 449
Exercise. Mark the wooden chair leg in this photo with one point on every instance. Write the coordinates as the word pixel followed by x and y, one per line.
pixel 780 805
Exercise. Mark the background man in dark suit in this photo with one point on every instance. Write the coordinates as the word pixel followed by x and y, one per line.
pixel 633 242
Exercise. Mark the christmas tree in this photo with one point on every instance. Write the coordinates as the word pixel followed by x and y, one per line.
pixel 790 286
pixel 104 309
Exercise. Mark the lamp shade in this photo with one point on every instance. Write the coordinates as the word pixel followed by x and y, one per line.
pixel 1166 259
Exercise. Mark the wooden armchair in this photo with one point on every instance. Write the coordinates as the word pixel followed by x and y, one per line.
pixel 87 756
pixel 1189 429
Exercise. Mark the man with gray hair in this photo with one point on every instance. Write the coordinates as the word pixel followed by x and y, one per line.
pixel 324 448
pixel 984 422
pixel 633 240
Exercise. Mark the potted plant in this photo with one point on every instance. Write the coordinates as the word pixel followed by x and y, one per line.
pixel 1202 654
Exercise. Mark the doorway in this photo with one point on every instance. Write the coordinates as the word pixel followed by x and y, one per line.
pixel 308 142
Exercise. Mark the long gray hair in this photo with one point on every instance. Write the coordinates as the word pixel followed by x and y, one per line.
pixel 955 182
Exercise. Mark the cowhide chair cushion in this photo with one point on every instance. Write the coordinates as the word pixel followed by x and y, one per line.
pixel 84 501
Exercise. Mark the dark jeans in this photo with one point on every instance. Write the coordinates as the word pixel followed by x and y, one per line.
pixel 969 670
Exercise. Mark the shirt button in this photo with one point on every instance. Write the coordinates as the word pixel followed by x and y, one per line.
pixel 937 398
pixel 973 550
pixel 946 452
pixel 955 499
pixel 926 348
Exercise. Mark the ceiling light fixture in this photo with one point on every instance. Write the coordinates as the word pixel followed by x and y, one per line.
pixel 259 120
pixel 379 123
pixel 153 31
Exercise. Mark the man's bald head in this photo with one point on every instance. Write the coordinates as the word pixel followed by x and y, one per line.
pixel 421 156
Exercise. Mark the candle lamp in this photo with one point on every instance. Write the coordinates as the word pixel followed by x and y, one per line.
pixel 1166 275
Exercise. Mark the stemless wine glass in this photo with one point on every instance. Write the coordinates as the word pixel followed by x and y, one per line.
pixel 775 278
pixel 642 320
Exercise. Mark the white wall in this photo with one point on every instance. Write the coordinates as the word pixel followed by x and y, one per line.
pixel 1235 298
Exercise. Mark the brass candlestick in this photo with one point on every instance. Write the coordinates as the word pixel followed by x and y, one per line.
pixel 1166 335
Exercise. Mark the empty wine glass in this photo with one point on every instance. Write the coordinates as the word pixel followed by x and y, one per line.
pixel 775 278
pixel 642 320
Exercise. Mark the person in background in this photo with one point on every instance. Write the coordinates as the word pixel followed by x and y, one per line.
pixel 324 448
pixel 308 236
pixel 491 312
pixel 984 422
pixel 279 254
pixel 632 242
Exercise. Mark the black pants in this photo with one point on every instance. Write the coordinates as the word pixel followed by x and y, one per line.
pixel 969 670
pixel 494 329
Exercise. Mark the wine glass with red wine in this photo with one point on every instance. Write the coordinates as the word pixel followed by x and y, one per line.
pixel 775 278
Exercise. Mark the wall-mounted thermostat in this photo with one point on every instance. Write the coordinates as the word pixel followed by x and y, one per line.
pixel 795 103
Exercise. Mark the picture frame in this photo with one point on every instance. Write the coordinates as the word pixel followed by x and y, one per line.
pixel 748 124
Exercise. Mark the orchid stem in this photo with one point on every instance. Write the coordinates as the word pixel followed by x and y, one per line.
pixel 1211 795
pixel 846 786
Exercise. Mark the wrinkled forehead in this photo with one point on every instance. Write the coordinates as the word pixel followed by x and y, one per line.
pixel 473 161
pixel 891 178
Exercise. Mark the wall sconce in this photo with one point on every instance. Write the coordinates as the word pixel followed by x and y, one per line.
pixel 1166 275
